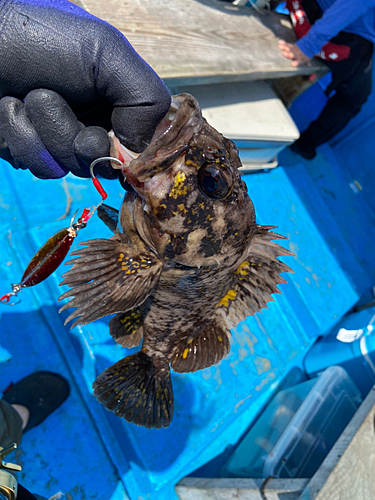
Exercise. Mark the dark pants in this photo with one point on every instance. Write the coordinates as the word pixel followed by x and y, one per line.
pixel 351 80
pixel 11 432
pixel 10 425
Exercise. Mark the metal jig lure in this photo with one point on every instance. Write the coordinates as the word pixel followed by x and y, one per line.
pixel 53 252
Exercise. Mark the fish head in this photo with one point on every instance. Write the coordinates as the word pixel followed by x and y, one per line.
pixel 195 204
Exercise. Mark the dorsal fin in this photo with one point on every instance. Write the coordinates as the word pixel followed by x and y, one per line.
pixel 109 216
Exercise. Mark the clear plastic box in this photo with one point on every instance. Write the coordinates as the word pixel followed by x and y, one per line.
pixel 297 429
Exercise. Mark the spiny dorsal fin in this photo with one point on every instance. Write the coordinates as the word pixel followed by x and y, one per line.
pixel 109 216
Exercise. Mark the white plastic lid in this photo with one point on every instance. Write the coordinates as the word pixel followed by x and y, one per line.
pixel 245 111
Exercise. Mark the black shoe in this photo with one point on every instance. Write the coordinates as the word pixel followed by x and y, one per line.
pixel 307 152
pixel 41 393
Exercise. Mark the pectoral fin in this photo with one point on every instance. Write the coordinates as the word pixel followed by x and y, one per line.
pixel 255 279
pixel 109 277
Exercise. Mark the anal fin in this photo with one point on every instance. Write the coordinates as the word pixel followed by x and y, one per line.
pixel 194 352
pixel 127 328
pixel 139 389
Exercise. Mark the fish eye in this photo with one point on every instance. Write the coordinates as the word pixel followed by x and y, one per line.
pixel 215 181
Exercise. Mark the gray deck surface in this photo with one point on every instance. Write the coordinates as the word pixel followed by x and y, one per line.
pixel 202 41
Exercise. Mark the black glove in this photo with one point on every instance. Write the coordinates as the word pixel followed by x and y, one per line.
pixel 66 78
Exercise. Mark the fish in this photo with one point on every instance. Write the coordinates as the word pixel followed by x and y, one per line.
pixel 186 263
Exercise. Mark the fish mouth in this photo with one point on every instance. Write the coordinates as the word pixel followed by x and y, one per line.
pixel 171 139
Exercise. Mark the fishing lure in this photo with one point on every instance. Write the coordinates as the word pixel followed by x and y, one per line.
pixel 53 252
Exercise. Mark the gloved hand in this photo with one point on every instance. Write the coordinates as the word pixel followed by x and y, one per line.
pixel 66 78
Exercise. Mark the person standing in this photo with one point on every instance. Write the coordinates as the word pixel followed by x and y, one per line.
pixel 341 33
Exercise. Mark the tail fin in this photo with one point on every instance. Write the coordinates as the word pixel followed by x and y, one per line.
pixel 139 389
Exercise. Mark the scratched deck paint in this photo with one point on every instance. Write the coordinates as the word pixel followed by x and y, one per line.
pixel 82 449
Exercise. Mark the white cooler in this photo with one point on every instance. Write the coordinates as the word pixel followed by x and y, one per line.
pixel 251 115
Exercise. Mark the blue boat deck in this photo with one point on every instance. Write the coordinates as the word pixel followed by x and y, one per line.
pixel 325 208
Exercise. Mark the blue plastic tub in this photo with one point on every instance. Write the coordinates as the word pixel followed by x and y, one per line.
pixel 351 344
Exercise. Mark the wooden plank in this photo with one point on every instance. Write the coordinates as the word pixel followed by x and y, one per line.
pixel 348 471
pixel 219 489
pixel 283 489
pixel 202 41
pixel 288 89
pixel 239 488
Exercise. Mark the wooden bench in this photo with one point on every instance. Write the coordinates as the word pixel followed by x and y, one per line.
pixel 190 42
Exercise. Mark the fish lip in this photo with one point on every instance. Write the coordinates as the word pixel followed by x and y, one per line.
pixel 171 140
pixel 125 156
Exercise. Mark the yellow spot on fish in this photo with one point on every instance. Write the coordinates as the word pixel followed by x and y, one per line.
pixel 208 217
pixel 178 188
pixel 241 270
pixel 220 339
pixel 231 295
pixel 120 257
pixel 182 208
pixel 186 352
pixel 163 206
pixel 201 205
pixel 235 234
pixel 190 341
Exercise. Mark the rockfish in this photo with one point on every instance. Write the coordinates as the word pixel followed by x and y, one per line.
pixel 187 262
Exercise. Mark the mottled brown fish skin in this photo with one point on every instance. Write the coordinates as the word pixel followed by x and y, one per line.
pixel 187 262
pixel 189 227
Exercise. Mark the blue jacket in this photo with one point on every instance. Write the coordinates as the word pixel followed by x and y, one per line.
pixel 352 16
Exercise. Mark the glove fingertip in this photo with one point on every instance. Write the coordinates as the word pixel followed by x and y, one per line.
pixel 92 143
